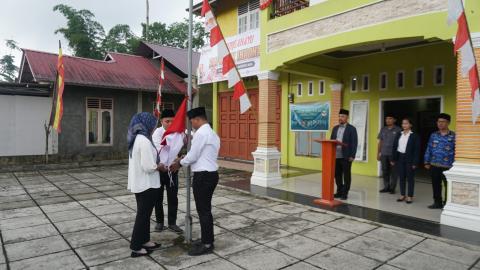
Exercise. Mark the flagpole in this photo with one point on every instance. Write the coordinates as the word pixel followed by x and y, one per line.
pixel 188 217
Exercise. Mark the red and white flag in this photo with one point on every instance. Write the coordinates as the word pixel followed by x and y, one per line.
pixel 161 79
pixel 463 43
pixel 265 4
pixel 229 69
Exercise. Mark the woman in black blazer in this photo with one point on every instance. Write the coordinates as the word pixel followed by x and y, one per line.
pixel 406 152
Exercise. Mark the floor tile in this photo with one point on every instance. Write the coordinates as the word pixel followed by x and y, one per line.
pixel 334 258
pixel 28 233
pixel 34 248
pixel 298 246
pixel 261 258
pixel 104 252
pixel 65 260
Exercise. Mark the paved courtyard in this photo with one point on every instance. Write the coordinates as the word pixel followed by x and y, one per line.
pixel 83 219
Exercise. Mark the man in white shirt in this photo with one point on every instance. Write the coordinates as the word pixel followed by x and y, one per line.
pixel 202 159
pixel 167 153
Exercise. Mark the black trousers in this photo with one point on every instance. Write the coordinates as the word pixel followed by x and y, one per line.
pixel 406 174
pixel 438 178
pixel 204 184
pixel 141 229
pixel 390 177
pixel 343 175
pixel 172 198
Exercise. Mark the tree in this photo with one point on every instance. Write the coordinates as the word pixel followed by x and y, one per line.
pixel 83 33
pixel 176 34
pixel 8 69
pixel 120 39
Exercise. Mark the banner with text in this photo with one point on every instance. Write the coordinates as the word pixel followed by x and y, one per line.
pixel 245 49
pixel 310 117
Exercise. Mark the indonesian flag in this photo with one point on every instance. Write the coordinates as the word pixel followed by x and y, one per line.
pixel 265 4
pixel 173 137
pixel 161 79
pixel 229 69
pixel 58 96
pixel 456 12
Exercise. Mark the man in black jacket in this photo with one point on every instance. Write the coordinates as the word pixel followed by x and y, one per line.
pixel 346 134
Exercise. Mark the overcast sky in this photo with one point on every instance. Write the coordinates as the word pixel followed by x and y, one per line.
pixel 32 22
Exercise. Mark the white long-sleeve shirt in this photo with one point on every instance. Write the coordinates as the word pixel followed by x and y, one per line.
pixel 169 152
pixel 142 166
pixel 203 154
pixel 403 141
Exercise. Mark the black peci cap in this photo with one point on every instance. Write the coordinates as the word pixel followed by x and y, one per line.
pixel 444 116
pixel 200 111
pixel 343 111
pixel 167 113
pixel 390 115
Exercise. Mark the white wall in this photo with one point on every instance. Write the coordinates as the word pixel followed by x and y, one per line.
pixel 22 129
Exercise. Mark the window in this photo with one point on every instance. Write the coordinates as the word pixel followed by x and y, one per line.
pixel 249 16
pixel 321 87
pixel 99 121
pixel 310 88
pixel 419 77
pixel 353 84
pixel 400 79
pixel 164 106
pixel 365 83
pixel 299 89
pixel 383 81
pixel 305 144
pixel 439 75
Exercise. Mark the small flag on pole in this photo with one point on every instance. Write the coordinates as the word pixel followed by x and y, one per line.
pixel 229 69
pixel 161 80
pixel 58 92
pixel 463 43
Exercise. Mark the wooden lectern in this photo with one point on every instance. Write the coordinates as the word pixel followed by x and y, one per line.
pixel 328 172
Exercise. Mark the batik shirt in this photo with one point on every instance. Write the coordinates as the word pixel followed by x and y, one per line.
pixel 440 150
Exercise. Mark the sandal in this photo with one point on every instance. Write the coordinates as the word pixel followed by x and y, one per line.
pixel 409 200
pixel 401 199
pixel 152 248
pixel 139 253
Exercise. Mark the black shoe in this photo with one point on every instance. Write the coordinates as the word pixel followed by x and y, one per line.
pixel 136 254
pixel 435 206
pixel 200 250
pixel 197 242
pixel 159 227
pixel 152 248
pixel 337 195
pixel 344 197
pixel 175 228
pixel 392 191
pixel 385 190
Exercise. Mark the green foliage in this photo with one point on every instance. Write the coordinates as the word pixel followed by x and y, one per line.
pixel 120 39
pixel 83 33
pixel 8 69
pixel 176 34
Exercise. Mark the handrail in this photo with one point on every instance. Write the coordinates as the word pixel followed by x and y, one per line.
pixel 284 7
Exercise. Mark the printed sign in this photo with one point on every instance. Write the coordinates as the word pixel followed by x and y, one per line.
pixel 310 117
pixel 245 49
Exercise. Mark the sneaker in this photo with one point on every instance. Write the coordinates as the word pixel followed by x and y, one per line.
pixel 159 227
pixel 200 250
pixel 175 228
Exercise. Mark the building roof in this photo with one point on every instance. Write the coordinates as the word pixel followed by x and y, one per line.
pixel 117 71
pixel 25 89
pixel 176 56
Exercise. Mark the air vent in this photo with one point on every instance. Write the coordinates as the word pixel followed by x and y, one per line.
pixel 243 9
pixel 107 104
pixel 254 4
pixel 93 103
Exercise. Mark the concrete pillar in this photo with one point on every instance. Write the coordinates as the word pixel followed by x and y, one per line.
pixel 463 202
pixel 267 157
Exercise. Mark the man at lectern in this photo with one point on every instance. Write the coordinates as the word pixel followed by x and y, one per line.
pixel 346 134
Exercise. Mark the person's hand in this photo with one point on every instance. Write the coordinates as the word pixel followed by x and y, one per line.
pixel 161 167
pixel 351 159
pixel 427 166
pixel 379 155
pixel 414 167
pixel 392 163
pixel 175 166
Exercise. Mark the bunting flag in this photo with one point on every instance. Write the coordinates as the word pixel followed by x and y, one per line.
pixel 265 4
pixel 463 43
pixel 178 123
pixel 161 80
pixel 229 69
pixel 58 92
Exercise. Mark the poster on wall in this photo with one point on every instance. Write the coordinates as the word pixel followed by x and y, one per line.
pixel 310 117
pixel 359 119
pixel 245 49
